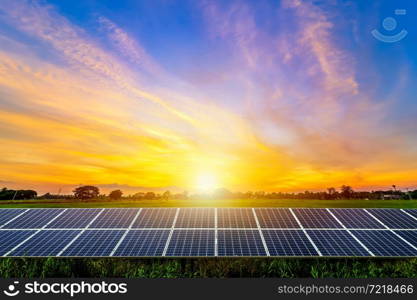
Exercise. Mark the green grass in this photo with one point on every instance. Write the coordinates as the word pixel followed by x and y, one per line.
pixel 207 268
pixel 357 203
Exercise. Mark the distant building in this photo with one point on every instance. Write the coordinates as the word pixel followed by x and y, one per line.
pixel 391 197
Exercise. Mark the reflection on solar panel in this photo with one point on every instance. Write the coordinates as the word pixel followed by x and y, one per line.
pixel 288 243
pixel 409 235
pixel 11 238
pixel 8 214
pixel 74 218
pixel 115 218
pixel 276 218
pixel 316 218
pixel 34 218
pixel 356 218
pixel 336 243
pixel 384 243
pixel 240 243
pixel 155 218
pixel 235 218
pixel 94 243
pixel 143 243
pixel 191 243
pixel 195 218
pixel 208 232
pixel 45 243
pixel 394 218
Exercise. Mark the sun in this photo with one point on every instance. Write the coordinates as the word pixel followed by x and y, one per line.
pixel 206 182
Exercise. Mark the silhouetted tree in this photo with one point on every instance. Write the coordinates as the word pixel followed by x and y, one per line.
pixel 86 192
pixel 116 194
pixel 150 195
pixel 346 191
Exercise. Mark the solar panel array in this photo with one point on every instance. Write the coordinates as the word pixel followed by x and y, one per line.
pixel 178 232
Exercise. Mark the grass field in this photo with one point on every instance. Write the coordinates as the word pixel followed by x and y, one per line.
pixel 209 267
pixel 358 203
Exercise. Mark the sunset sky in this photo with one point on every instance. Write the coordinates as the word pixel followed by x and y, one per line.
pixel 187 95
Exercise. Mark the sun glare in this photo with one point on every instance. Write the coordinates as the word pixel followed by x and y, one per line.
pixel 206 183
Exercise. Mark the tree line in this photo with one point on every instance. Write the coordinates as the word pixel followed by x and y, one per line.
pixel 92 192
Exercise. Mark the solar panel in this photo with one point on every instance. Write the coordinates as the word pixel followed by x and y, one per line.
pixel 276 218
pixel 394 218
pixel 191 243
pixel 143 243
pixel 8 214
pixel 155 218
pixel 409 235
pixel 195 218
pixel 288 243
pixel 240 243
pixel 384 243
pixel 94 243
pixel 356 218
pixel 336 243
pixel 235 218
pixel 11 238
pixel 74 218
pixel 412 212
pixel 316 218
pixel 34 218
pixel 46 243
pixel 115 218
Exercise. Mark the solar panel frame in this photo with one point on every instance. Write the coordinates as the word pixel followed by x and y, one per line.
pixel 75 218
pixel 288 243
pixel 143 243
pixel 235 218
pixel 316 218
pixel 11 238
pixel 384 243
pixel 393 218
pixel 412 212
pixel 336 243
pixel 409 235
pixel 196 218
pixel 155 218
pixel 34 218
pixel 356 218
pixel 92 243
pixel 237 242
pixel 45 243
pixel 115 218
pixel 192 242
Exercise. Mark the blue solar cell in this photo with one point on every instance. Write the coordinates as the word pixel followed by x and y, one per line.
pixel 412 212
pixel 336 243
pixel 235 218
pixel 384 243
pixel 155 218
pixel 195 218
pixel 394 218
pixel 46 243
pixel 74 218
pixel 7 214
pixel 240 243
pixel 191 243
pixel 94 243
pixel 276 218
pixel 356 218
pixel 288 243
pixel 34 218
pixel 316 218
pixel 409 235
pixel 115 218
pixel 11 238
pixel 143 243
